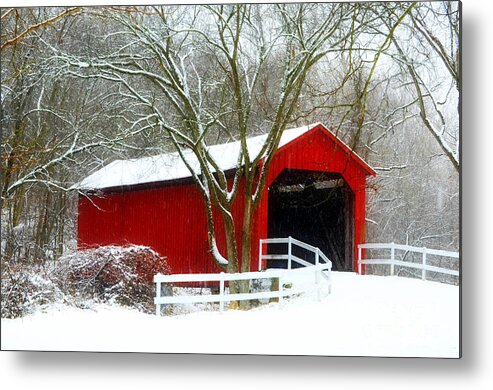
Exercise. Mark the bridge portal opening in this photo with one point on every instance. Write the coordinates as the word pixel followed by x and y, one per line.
pixel 316 208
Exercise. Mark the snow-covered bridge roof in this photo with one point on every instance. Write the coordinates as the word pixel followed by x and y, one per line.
pixel 169 166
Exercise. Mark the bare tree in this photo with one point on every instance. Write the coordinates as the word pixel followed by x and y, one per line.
pixel 432 64
pixel 17 35
pixel 51 128
pixel 162 59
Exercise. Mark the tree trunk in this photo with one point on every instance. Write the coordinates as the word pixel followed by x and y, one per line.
pixel 246 247
pixel 231 247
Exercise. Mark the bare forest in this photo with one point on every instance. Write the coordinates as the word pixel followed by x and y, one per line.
pixel 83 86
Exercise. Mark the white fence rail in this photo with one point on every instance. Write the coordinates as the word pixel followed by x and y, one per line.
pixel 392 262
pixel 322 267
pixel 289 257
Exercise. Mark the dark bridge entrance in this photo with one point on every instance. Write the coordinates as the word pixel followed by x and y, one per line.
pixel 316 208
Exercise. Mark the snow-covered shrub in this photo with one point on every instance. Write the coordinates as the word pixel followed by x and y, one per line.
pixel 112 274
pixel 27 288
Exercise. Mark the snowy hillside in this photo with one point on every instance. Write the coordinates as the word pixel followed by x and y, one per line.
pixel 364 316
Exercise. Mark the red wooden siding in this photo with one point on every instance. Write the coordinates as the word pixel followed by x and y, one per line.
pixel 316 151
pixel 170 218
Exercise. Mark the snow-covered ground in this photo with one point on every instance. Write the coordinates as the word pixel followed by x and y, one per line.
pixel 364 316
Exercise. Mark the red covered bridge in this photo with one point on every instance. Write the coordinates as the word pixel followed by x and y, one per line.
pixel 315 192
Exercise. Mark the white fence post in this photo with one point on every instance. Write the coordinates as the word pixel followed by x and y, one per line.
pixel 317 273
pixel 280 282
pixel 330 280
pixel 392 258
pixel 359 259
pixel 158 295
pixel 289 252
pixel 423 272
pixel 221 292
pixel 260 256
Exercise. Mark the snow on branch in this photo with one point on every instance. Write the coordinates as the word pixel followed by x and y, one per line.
pixel 390 168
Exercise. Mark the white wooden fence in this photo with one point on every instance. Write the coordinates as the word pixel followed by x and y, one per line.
pixel 320 272
pixel 319 256
pixel 392 261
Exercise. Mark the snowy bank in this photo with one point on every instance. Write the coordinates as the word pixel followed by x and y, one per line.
pixel 364 316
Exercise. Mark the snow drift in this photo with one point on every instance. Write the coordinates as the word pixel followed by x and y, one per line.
pixel 364 316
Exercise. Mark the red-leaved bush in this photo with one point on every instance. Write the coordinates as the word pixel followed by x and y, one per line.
pixel 123 275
